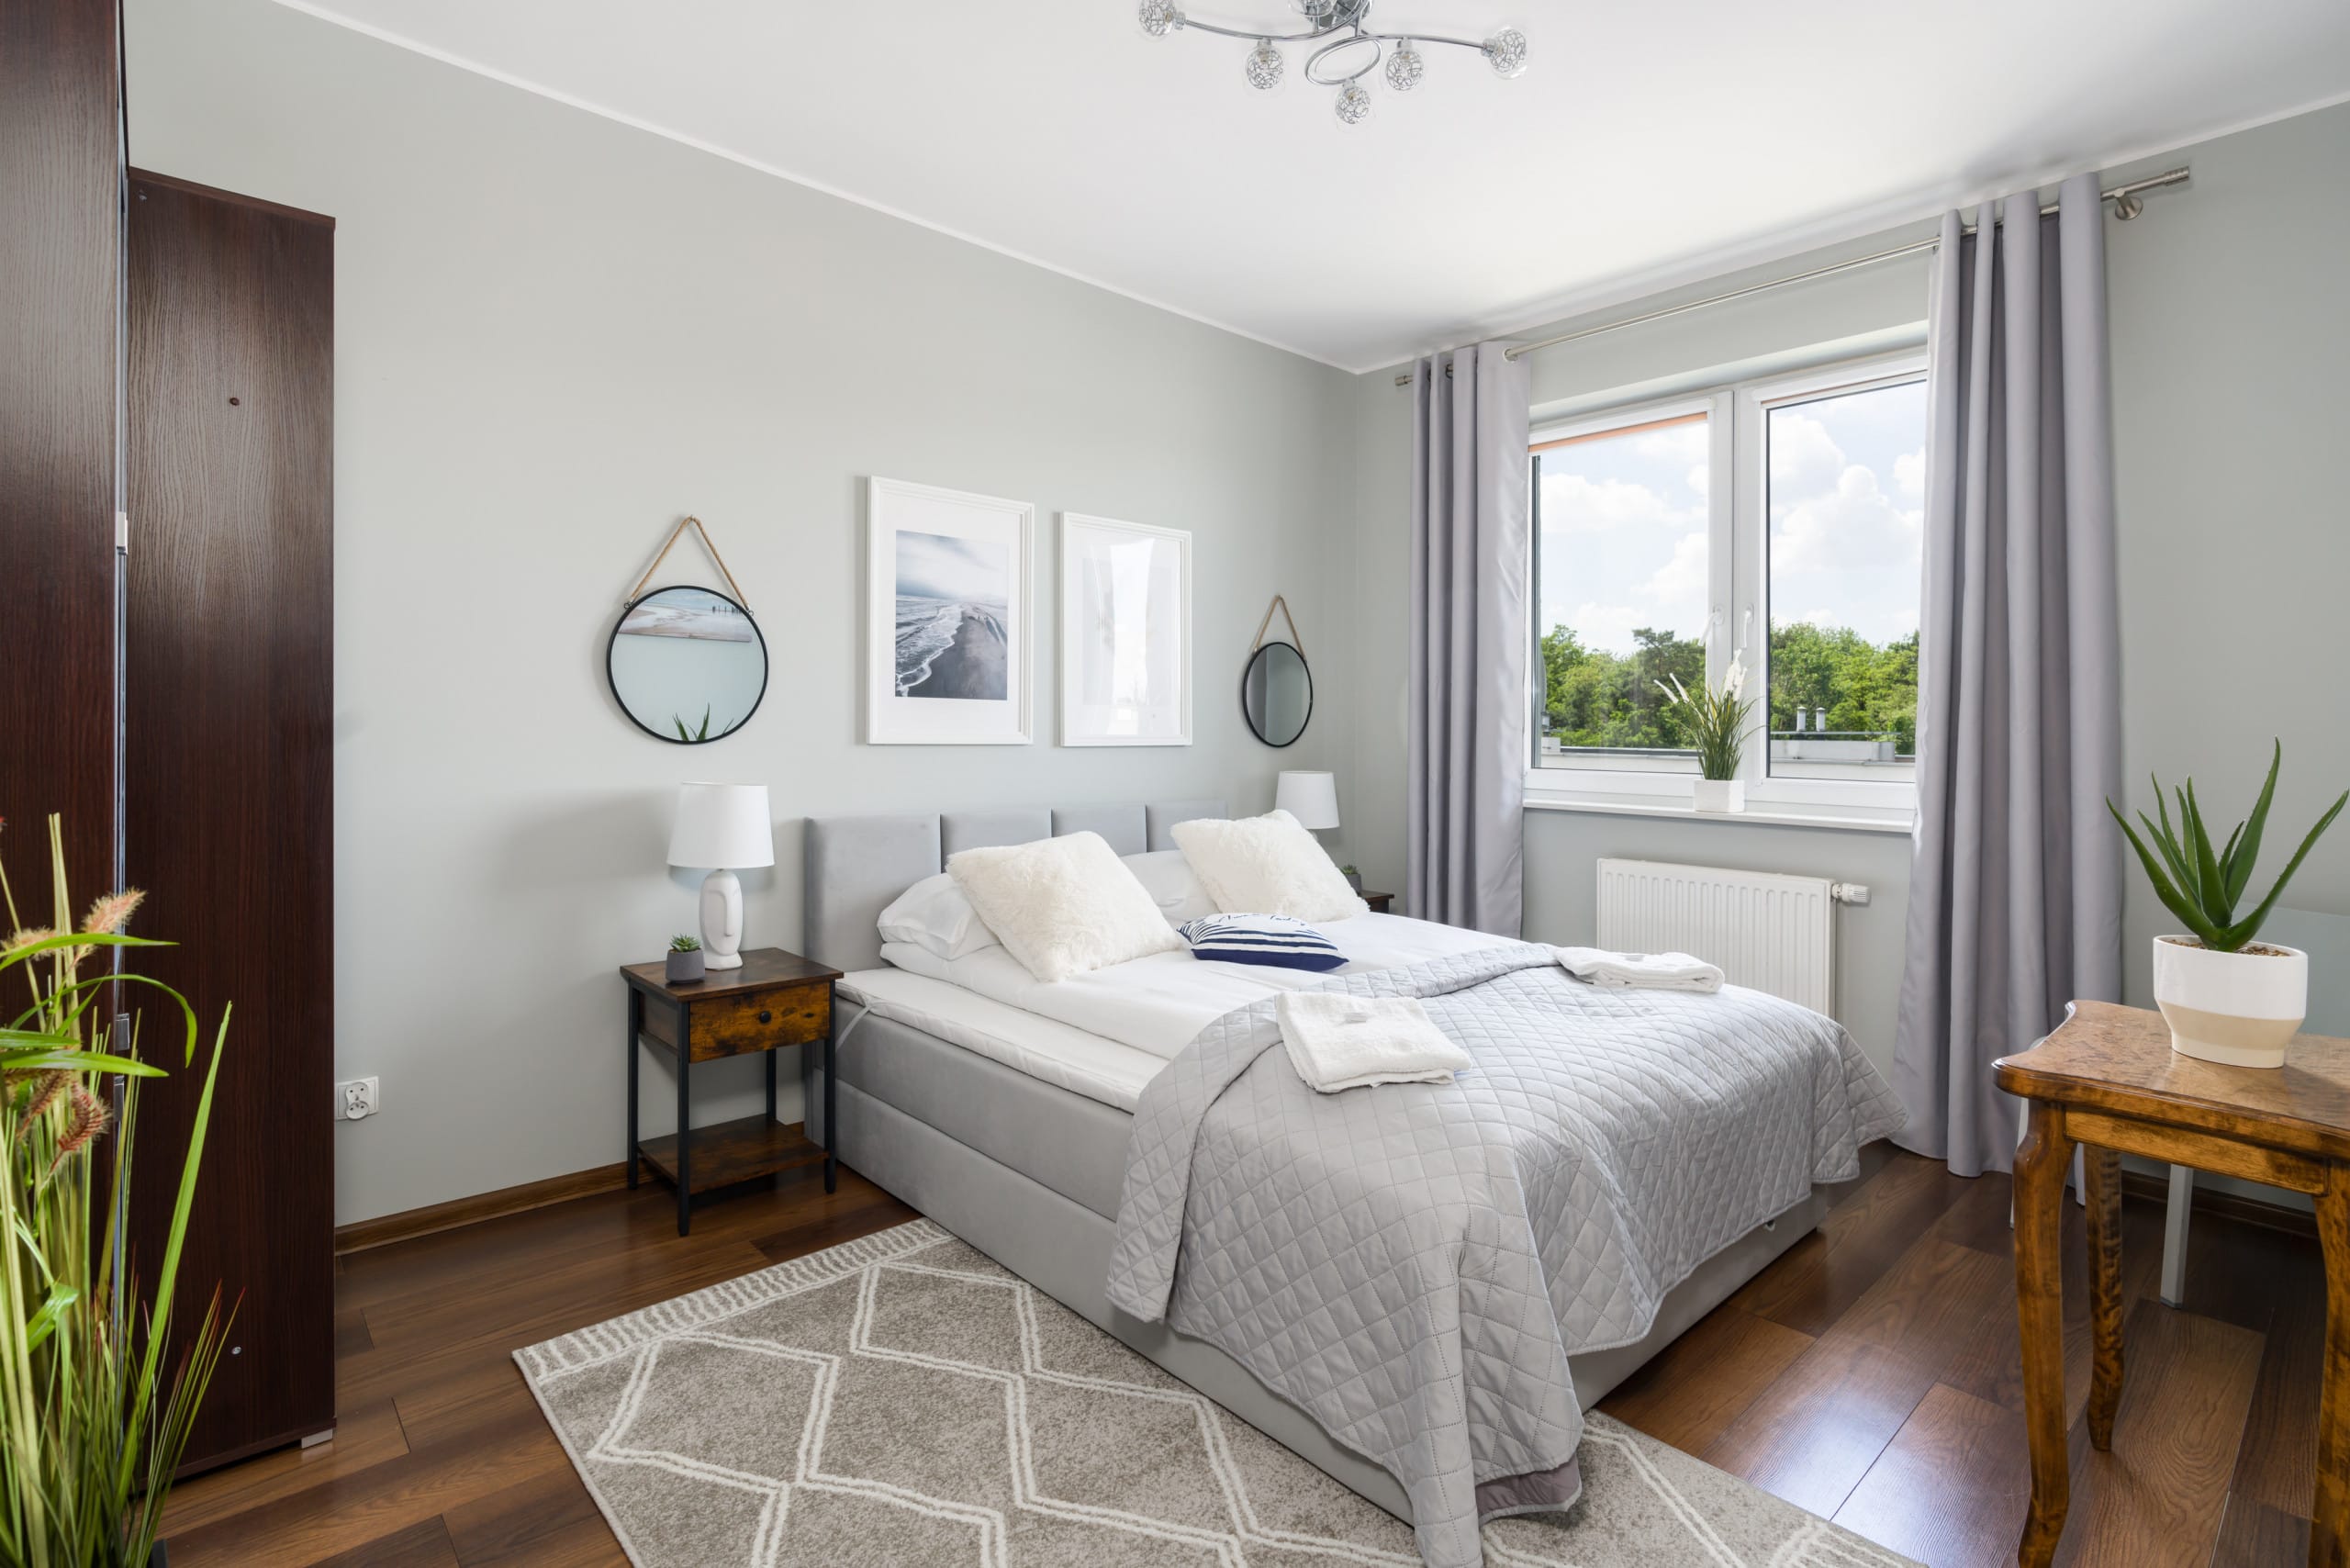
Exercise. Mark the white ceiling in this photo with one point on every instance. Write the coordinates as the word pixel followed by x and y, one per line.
pixel 1647 143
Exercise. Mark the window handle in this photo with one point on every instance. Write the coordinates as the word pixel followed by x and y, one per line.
pixel 1746 629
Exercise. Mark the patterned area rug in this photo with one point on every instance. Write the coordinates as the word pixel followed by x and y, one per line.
pixel 902 1399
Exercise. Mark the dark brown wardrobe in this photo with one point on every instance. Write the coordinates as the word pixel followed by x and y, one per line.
pixel 173 363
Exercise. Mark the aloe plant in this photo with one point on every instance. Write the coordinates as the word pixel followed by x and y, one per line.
pixel 2203 887
pixel 684 944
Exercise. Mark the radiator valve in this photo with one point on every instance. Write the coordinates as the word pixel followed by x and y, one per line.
pixel 1848 893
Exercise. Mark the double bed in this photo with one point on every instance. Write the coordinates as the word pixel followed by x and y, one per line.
pixel 1004 1109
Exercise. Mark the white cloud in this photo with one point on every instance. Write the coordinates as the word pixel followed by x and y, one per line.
pixel 1804 459
pixel 1909 477
pixel 1607 626
pixel 1580 506
pixel 1678 588
pixel 1854 523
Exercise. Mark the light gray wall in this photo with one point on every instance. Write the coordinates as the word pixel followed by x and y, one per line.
pixel 553 335
pixel 2230 332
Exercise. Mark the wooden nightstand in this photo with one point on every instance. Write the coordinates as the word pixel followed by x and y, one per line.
pixel 775 998
pixel 1378 902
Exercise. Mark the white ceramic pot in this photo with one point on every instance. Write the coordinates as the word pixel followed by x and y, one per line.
pixel 1721 794
pixel 2236 1008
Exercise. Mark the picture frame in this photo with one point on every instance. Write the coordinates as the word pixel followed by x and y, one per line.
pixel 948 612
pixel 1124 632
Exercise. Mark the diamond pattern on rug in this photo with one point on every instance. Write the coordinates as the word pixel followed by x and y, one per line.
pixel 903 1400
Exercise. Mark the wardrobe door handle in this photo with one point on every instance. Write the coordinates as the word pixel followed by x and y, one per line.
pixel 765 1017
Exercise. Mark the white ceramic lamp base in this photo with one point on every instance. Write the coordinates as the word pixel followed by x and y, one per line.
pixel 721 921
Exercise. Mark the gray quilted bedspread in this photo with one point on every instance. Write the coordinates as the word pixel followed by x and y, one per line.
pixel 1414 1263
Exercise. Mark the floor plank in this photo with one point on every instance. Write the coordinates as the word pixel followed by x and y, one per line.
pixel 2254 1535
pixel 1952 1487
pixel 2156 1500
pixel 1871 1372
pixel 1702 1381
pixel 1815 1432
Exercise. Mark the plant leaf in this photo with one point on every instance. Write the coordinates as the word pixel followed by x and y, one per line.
pixel 2172 855
pixel 2216 902
pixel 76 1061
pixel 2240 871
pixel 2175 901
pixel 41 1324
pixel 2244 930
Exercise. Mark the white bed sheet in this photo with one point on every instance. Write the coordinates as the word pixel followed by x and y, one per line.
pixel 1054 1052
pixel 1158 1004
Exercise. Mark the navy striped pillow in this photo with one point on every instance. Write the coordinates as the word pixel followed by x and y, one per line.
pixel 1276 939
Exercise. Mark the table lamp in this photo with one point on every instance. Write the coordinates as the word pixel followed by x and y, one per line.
pixel 1311 798
pixel 726 828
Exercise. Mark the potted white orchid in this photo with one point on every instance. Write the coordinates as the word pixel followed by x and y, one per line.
pixel 1716 718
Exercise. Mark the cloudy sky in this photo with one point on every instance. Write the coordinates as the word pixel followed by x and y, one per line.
pixel 1624 522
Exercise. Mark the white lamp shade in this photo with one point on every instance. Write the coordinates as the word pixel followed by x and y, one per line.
pixel 722 826
pixel 1311 798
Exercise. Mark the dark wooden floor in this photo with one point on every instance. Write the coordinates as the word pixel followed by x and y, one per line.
pixel 1870 1375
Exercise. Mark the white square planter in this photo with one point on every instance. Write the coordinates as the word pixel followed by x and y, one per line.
pixel 1721 794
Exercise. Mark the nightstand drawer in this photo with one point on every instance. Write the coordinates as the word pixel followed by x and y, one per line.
pixel 760 1020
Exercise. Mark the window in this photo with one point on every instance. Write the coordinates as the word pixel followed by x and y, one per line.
pixel 1774 522
pixel 1624 518
pixel 1844 484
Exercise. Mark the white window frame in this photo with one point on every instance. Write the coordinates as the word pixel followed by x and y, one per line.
pixel 1738 582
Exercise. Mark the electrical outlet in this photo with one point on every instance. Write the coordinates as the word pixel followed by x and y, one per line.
pixel 356 1100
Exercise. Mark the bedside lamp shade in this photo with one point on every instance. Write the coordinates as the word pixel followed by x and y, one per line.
pixel 1311 798
pixel 722 826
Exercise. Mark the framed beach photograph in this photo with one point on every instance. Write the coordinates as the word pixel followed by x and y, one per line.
pixel 948 635
pixel 1125 632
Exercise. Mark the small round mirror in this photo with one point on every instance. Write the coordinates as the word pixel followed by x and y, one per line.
pixel 1277 693
pixel 687 665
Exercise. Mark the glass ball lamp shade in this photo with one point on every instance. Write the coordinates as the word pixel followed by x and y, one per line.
pixel 1353 104
pixel 1505 52
pixel 1264 66
pixel 1311 798
pixel 723 828
pixel 1158 16
pixel 1405 65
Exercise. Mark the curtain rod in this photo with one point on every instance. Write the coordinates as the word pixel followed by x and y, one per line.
pixel 2127 206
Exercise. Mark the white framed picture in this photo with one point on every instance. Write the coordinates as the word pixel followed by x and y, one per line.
pixel 947 636
pixel 1125 632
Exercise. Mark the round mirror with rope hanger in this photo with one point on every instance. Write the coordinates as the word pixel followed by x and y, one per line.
pixel 687 665
pixel 1277 686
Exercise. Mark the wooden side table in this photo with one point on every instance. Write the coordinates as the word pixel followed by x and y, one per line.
pixel 775 998
pixel 1378 902
pixel 2108 1080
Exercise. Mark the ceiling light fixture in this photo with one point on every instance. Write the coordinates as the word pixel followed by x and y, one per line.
pixel 1348 51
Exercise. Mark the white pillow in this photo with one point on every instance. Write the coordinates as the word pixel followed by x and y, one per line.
pixel 934 916
pixel 1266 865
pixel 1062 906
pixel 1172 885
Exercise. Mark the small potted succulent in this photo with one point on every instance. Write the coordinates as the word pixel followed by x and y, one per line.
pixel 2227 997
pixel 686 963
pixel 1716 719
pixel 1353 876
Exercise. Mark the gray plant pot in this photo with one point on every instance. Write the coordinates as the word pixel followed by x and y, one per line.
pixel 683 968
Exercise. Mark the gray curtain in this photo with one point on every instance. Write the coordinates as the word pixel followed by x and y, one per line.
pixel 1470 630
pixel 2015 888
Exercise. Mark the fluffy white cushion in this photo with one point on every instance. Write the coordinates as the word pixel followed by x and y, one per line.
pixel 934 916
pixel 1062 906
pixel 1172 885
pixel 1266 865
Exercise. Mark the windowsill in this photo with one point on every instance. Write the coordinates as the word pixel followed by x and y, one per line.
pixel 1842 818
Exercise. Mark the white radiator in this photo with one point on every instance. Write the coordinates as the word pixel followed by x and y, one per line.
pixel 1769 932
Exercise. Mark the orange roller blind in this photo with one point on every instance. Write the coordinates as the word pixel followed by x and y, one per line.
pixel 1696 418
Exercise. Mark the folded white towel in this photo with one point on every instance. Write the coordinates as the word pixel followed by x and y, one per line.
pixel 1649 972
pixel 1336 1041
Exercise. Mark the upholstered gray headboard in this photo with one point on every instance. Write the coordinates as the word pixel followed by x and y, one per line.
pixel 855 866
